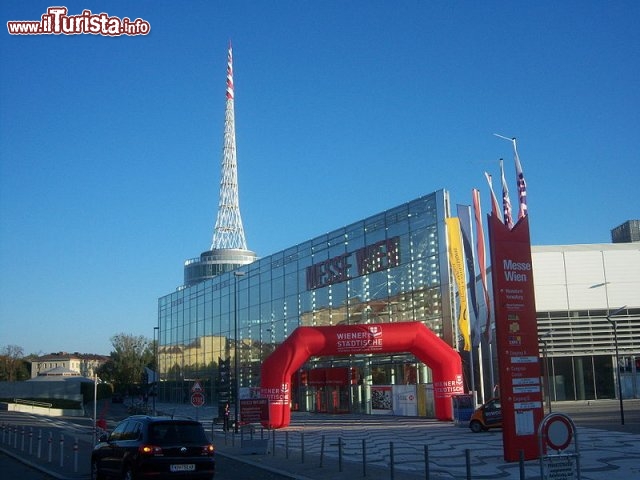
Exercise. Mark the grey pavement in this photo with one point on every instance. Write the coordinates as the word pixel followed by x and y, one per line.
pixel 396 448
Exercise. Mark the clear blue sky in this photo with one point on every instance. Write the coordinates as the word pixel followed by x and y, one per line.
pixel 110 148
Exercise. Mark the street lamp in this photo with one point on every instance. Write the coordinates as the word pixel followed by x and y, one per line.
pixel 236 366
pixel 617 369
pixel 154 387
pixel 543 340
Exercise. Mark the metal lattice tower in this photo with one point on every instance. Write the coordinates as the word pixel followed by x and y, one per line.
pixel 228 232
pixel 228 246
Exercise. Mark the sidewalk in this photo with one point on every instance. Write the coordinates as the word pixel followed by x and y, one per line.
pixel 321 447
pixel 404 442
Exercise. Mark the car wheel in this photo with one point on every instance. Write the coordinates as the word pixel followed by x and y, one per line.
pixel 128 474
pixel 95 472
pixel 475 426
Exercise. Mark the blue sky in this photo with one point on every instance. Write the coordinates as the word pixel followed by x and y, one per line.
pixel 110 148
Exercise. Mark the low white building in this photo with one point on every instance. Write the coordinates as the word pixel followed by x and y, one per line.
pixel 576 288
pixel 82 363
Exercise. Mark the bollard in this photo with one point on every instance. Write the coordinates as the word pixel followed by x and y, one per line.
pixel 273 438
pixel 75 455
pixel 286 445
pixel 321 451
pixel 15 437
pixel 426 462
pixel 364 457
pixel 39 442
pixel 22 439
pixel 30 440
pixel 391 461
pixel 3 433
pixel 302 445
pixel 340 454
pixel 522 465
pixel 467 455
pixel 62 450
pixel 50 445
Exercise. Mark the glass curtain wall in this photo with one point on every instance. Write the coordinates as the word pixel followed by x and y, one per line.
pixel 390 267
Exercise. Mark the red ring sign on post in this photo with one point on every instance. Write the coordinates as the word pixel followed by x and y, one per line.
pixel 558 433
pixel 197 399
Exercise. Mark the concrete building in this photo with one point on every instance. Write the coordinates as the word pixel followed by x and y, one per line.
pixel 629 231
pixel 576 287
pixel 82 364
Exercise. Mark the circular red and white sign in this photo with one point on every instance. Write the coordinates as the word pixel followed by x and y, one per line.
pixel 197 399
pixel 558 432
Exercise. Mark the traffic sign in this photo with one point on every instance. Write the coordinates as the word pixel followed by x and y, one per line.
pixel 196 387
pixel 197 399
pixel 557 432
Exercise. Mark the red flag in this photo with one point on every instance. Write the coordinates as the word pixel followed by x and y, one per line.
pixel 495 206
pixel 481 259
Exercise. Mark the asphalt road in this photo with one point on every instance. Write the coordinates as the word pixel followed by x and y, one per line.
pixel 12 468
pixel 227 469
pixel 603 414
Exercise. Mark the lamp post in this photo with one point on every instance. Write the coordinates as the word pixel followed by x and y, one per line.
pixel 617 368
pixel 236 366
pixel 543 340
pixel 154 387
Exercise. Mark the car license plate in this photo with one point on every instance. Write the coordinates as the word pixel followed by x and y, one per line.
pixel 183 467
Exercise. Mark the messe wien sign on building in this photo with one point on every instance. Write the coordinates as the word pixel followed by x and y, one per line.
pixel 368 259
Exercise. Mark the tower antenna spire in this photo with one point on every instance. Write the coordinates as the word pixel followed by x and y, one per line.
pixel 228 245
pixel 228 232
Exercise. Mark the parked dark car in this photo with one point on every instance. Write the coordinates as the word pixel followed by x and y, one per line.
pixel 142 446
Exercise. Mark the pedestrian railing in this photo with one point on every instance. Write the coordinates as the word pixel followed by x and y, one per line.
pixel 41 445
pixel 332 452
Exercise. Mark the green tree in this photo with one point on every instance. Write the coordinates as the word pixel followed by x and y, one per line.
pixel 12 364
pixel 129 357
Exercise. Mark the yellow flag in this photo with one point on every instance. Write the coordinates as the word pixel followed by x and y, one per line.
pixel 456 260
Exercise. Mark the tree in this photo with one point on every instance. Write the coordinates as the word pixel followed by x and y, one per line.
pixel 128 359
pixel 12 365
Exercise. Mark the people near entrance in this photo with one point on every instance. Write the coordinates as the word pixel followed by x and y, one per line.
pixel 225 420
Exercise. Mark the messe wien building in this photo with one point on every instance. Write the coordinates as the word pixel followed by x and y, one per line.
pixel 389 268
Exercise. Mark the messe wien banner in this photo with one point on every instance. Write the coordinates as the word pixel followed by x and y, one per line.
pixel 517 337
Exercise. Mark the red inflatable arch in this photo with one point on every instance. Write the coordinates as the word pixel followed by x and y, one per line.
pixel 306 342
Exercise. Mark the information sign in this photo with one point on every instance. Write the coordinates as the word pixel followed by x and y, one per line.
pixel 560 467
pixel 517 337
pixel 254 410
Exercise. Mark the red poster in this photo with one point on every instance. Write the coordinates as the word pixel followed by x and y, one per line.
pixel 517 338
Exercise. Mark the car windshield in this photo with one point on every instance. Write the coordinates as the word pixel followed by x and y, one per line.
pixel 166 433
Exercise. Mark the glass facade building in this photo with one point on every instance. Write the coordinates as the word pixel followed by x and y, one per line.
pixel 390 267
